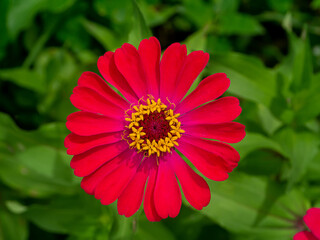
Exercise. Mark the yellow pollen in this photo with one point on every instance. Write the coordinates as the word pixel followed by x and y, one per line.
pixel 153 127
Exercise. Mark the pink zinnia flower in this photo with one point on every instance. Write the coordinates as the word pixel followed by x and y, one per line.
pixel 120 145
pixel 312 220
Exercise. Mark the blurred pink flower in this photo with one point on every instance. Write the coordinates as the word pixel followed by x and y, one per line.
pixel 312 220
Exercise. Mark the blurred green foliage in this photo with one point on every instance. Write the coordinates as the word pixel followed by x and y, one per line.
pixel 269 49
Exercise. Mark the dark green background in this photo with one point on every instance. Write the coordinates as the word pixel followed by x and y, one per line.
pixel 270 49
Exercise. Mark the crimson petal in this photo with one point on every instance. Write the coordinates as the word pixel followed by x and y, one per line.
pixel 222 110
pixel 150 53
pixel 231 132
pixel 111 74
pixel 167 196
pixel 87 162
pixel 171 63
pixel 128 62
pixel 209 89
pixel 195 188
pixel 87 124
pixel 78 144
pixel 95 82
pixel 89 100
pixel 193 66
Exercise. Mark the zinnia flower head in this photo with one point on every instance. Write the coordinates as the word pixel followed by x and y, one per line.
pixel 125 148
pixel 312 220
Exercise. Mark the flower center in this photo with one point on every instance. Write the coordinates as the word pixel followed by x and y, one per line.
pixel 152 127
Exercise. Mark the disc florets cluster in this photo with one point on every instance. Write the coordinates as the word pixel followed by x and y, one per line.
pixel 153 127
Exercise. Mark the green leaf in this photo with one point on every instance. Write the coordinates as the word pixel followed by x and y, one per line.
pixel 281 6
pixel 79 215
pixel 302 63
pixel 300 148
pixel 249 78
pixel 104 35
pixel 254 141
pixel 35 163
pixel 314 168
pixel 15 207
pixel 262 162
pixel 152 231
pixel 153 16
pixel 226 6
pixel 199 12
pixel 315 4
pixel 22 12
pixel 256 207
pixel 139 30
pixel 305 103
pixel 12 226
pixel 24 78
pixel 4 6
pixel 240 24
pixel 268 121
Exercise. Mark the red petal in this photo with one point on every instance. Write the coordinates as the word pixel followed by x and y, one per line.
pixel 150 53
pixel 110 188
pixel 193 66
pixel 214 159
pixel 230 156
pixel 89 100
pixel 167 196
pixel 131 198
pixel 209 164
pixel 304 235
pixel 171 63
pixel 90 182
pixel 209 89
pixel 96 83
pixel 87 162
pixel 78 144
pixel 231 132
pixel 195 188
pixel 87 124
pixel 109 71
pixel 222 110
pixel 312 220
pixel 128 62
pixel 148 203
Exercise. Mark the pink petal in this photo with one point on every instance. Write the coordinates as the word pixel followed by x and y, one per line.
pixel 209 89
pixel 222 110
pixel 78 144
pixel 87 124
pixel 111 74
pixel 131 198
pixel 305 235
pixel 87 162
pixel 167 196
pixel 193 66
pixel 195 188
pixel 231 132
pixel 89 100
pixel 90 182
pixel 96 83
pixel 312 220
pixel 148 203
pixel 210 165
pixel 113 184
pixel 171 63
pixel 150 53
pixel 128 62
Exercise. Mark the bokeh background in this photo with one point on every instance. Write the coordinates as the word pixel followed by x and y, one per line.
pixel 270 49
